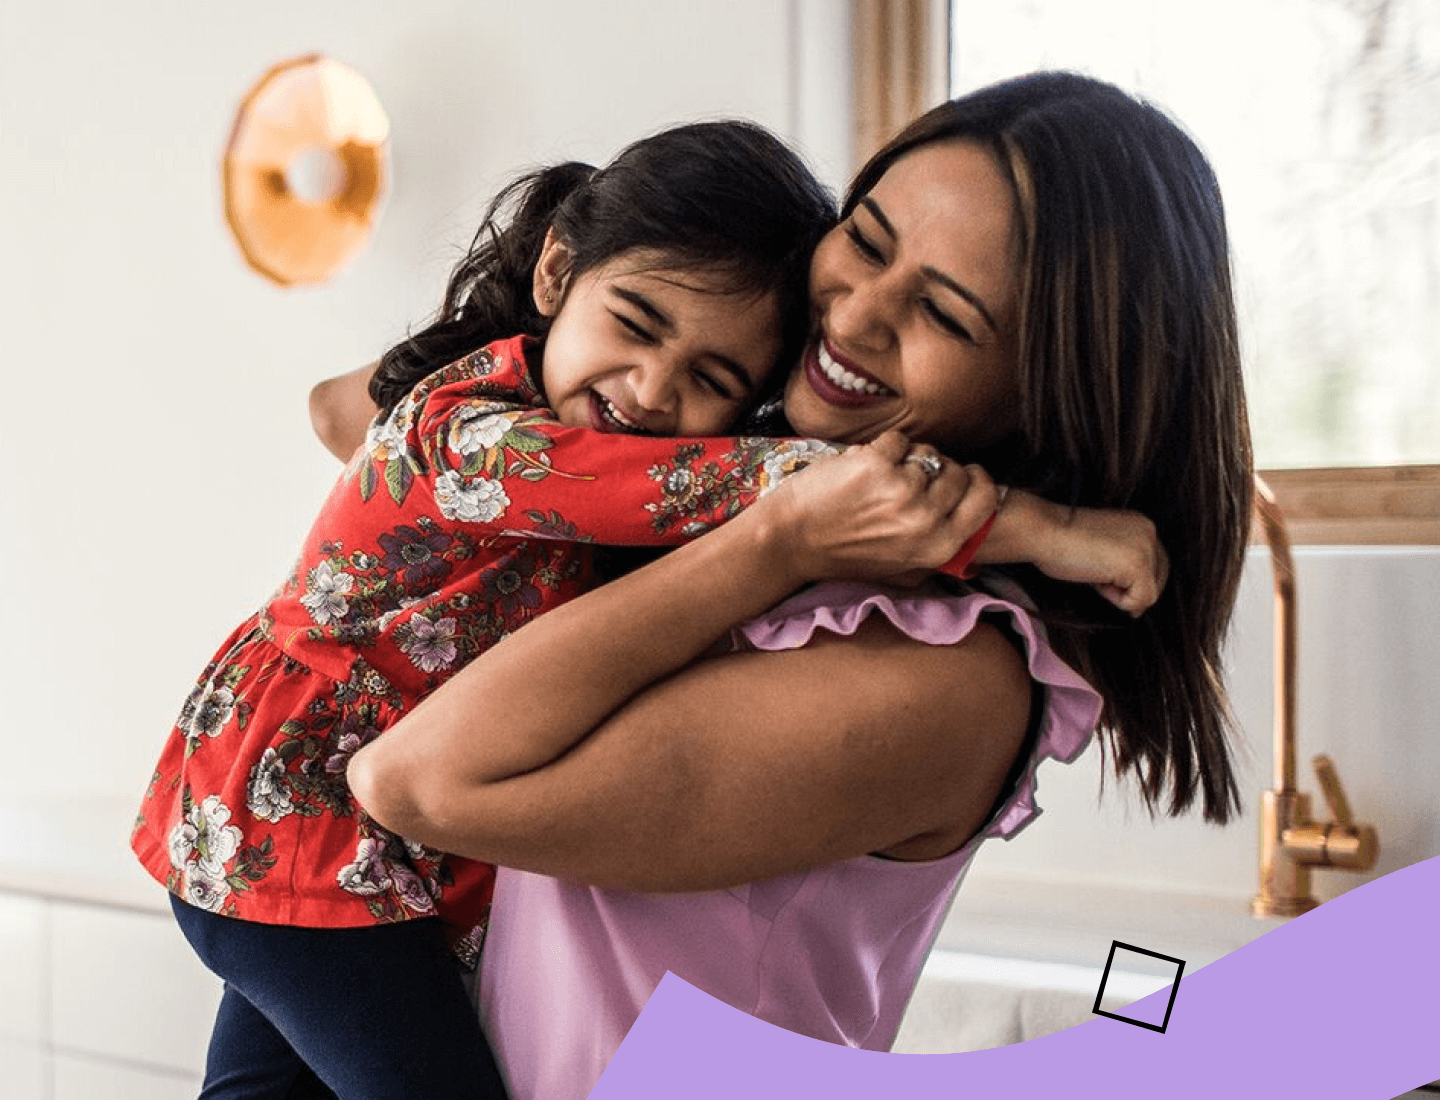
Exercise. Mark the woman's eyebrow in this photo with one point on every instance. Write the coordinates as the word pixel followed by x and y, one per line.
pixel 879 215
pixel 964 292
pixel 873 208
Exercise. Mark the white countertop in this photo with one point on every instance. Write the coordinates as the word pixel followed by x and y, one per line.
pixel 78 850
pixel 75 850
pixel 1006 916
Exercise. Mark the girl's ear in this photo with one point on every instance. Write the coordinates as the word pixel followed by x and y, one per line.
pixel 552 274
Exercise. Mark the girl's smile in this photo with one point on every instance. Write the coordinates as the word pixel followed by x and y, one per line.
pixel 607 416
pixel 641 347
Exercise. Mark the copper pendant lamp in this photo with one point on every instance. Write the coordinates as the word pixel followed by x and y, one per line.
pixel 306 169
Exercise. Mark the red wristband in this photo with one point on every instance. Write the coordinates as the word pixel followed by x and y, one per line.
pixel 961 564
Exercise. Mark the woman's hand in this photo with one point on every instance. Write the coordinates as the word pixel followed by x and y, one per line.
pixel 876 512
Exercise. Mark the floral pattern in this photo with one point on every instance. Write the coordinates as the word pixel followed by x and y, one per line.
pixel 416 554
pixel 268 793
pixel 470 511
pixel 326 592
pixel 470 500
pixel 203 849
pixel 429 645
pixel 700 490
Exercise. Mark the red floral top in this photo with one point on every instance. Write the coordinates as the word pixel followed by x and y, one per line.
pixel 466 514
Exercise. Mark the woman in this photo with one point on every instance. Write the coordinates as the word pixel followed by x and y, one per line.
pixel 1034 277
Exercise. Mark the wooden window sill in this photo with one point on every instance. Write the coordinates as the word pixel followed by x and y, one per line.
pixel 1359 506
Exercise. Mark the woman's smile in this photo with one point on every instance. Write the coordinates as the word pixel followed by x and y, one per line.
pixel 838 380
pixel 915 303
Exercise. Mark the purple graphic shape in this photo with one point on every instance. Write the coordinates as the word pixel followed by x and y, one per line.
pixel 1338 1004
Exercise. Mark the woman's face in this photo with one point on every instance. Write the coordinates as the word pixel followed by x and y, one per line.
pixel 915 302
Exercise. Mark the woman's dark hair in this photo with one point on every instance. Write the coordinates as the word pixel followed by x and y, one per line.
pixel 1130 397
pixel 725 197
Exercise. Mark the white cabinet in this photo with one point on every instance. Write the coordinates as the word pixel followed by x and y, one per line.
pixel 98 1000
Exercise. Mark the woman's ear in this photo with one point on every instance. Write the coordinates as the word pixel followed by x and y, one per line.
pixel 552 274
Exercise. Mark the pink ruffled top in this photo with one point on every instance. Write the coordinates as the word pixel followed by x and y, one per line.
pixel 833 952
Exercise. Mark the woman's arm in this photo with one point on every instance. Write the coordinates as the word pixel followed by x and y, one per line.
pixel 740 766
pixel 341 411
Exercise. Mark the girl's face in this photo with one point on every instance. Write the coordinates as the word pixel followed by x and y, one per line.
pixel 639 347
pixel 915 299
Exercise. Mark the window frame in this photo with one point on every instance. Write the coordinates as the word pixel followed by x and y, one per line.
pixel 900 67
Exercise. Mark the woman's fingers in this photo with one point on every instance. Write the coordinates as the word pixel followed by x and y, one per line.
pixel 892 506
pixel 977 505
pixel 883 509
pixel 1116 552
pixel 924 461
pixel 892 446
pixel 956 500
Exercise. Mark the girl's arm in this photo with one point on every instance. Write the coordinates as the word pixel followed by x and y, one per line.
pixel 475 442
pixel 1116 552
pixel 341 410
pixel 615 763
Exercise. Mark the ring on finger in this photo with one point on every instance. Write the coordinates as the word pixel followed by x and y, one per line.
pixel 930 465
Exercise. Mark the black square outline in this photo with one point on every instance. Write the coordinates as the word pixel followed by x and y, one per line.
pixel 1160 1027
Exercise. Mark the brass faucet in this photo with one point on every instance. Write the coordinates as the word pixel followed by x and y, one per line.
pixel 1291 843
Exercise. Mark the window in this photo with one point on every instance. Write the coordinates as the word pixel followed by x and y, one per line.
pixel 1322 119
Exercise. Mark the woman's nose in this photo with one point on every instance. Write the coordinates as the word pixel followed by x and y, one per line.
pixel 862 314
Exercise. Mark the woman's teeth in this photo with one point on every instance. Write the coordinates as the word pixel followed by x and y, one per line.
pixel 842 377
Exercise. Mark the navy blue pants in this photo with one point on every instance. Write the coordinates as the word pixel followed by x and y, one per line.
pixel 374 1013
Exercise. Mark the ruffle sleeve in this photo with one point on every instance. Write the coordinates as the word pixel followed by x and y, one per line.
pixel 1072 706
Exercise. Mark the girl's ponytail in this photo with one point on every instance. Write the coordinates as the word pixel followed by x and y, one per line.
pixel 489 295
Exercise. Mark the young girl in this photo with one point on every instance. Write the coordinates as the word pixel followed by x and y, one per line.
pixel 666 288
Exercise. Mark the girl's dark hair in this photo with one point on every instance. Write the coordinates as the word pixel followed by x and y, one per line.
pixel 725 197
pixel 1131 397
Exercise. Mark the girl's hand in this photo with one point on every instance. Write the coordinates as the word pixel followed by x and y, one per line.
pixel 1117 553
pixel 341 411
pixel 869 514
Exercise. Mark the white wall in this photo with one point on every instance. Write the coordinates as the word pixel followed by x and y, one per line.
pixel 158 467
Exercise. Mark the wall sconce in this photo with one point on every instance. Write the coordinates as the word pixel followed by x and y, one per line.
pixel 305 169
